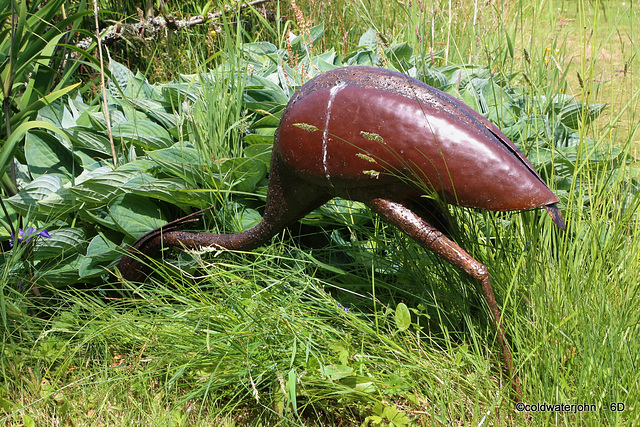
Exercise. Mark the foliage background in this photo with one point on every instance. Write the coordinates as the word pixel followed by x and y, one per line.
pixel 341 320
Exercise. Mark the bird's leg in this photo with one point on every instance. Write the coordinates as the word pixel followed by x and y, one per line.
pixel 431 238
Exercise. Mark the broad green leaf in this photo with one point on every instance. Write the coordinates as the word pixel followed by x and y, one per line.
pixel 91 159
pixel 58 203
pixel 177 93
pixel 300 43
pixel 182 162
pixel 57 114
pixel 144 89
pixel 606 154
pixel 269 121
pixel 500 109
pixel 158 111
pixel 239 218
pixel 337 372
pixel 63 242
pixel 98 121
pixel 124 82
pixel 369 40
pixel 175 191
pixel 589 149
pixel 26 201
pixel 572 114
pixel 324 62
pixel 433 77
pixel 263 53
pixel 94 173
pixel 268 132
pixel 473 99
pixel 345 213
pixel 60 274
pixel 104 187
pixel 77 106
pixel 45 154
pixel 8 149
pixel 460 75
pixel 364 57
pixel 259 139
pixel 373 419
pixel 247 219
pixel 89 268
pixel 400 51
pixel 89 138
pixel 396 417
pixel 260 152
pixel 140 165
pixel 263 93
pixel 99 215
pixel 402 317
pixel 551 105
pixel 103 249
pixel 28 420
pixel 137 215
pixel 541 158
pixel 528 128
pixel 316 32
pixel 144 133
pixel 247 173
pixel 40 103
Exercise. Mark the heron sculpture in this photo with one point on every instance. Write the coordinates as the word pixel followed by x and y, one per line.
pixel 384 139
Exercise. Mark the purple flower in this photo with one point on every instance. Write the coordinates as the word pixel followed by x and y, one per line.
pixel 23 235
pixel 346 309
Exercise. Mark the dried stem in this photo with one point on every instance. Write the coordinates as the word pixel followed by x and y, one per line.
pixel 103 86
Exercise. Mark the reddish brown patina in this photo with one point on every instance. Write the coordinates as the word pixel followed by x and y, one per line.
pixel 385 139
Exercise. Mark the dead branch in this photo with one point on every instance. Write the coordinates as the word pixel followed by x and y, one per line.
pixel 148 28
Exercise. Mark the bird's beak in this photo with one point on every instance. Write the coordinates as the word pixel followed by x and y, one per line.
pixel 556 215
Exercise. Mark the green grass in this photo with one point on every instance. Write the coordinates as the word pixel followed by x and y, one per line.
pixel 263 338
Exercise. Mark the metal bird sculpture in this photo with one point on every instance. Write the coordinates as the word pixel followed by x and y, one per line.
pixel 384 139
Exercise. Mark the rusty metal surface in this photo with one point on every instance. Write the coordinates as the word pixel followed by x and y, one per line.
pixel 361 127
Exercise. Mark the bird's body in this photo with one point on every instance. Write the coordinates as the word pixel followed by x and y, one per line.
pixel 362 127
pixel 385 139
